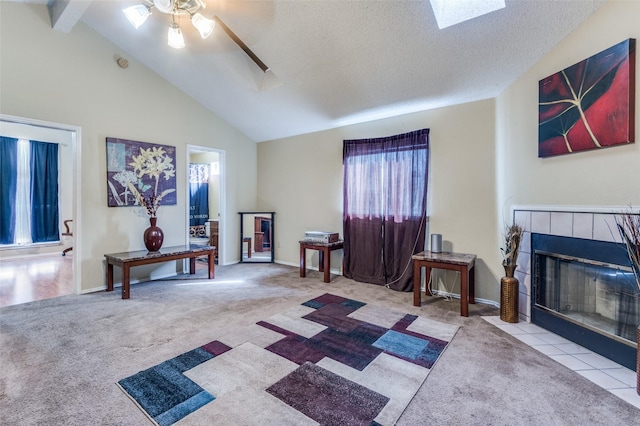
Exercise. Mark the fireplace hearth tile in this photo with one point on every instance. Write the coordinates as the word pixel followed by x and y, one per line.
pixel 529 339
pixel 571 362
pixel 573 349
pixel 602 379
pixel 527 327
pixel 552 339
pixel 510 328
pixel 597 361
pixel 548 350
pixel 628 394
pixel 626 376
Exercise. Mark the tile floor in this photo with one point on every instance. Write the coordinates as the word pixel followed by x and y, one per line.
pixel 607 374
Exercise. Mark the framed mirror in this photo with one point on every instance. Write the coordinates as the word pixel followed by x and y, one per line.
pixel 256 237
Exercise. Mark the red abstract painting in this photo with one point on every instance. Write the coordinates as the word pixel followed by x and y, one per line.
pixel 589 105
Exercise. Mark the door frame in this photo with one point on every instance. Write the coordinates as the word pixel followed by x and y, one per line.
pixel 76 139
pixel 222 238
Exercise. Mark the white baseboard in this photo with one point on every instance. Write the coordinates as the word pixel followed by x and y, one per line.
pixel 131 282
pixel 312 268
pixel 438 293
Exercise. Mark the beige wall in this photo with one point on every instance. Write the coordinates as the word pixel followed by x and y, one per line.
pixel 609 176
pixel 483 161
pixel 300 178
pixel 73 79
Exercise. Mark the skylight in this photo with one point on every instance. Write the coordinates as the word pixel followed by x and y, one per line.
pixel 451 12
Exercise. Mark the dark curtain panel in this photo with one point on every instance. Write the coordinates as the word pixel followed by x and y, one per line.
pixel 8 182
pixel 198 199
pixel 385 205
pixel 44 192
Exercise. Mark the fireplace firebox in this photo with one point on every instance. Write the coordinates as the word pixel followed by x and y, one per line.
pixel 585 291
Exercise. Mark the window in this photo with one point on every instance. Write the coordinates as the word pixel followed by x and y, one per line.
pixel 29 181
pixel 385 201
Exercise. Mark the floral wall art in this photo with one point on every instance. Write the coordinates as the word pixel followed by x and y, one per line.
pixel 589 105
pixel 140 173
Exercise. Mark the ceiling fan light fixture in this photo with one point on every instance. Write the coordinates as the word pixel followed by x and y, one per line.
pixel 175 38
pixel 164 6
pixel 137 15
pixel 204 25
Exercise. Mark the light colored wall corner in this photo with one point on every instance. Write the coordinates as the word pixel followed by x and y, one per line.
pixel 73 79
pixel 607 176
pixel 301 179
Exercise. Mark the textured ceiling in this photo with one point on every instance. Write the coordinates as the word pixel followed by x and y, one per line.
pixel 341 62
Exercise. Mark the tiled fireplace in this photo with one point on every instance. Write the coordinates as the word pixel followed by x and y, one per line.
pixel 575 279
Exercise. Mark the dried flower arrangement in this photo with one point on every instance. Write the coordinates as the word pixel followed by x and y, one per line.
pixel 629 228
pixel 152 162
pixel 512 238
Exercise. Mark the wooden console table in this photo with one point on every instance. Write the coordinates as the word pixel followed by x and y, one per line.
pixel 463 263
pixel 324 256
pixel 126 260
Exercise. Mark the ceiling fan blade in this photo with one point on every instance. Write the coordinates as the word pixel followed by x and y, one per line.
pixel 243 46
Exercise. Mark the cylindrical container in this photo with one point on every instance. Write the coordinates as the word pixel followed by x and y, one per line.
pixel 436 243
pixel 509 288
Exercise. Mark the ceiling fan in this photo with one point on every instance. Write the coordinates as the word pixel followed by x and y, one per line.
pixel 138 14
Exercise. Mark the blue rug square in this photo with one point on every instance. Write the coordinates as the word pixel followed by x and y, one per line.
pixel 403 345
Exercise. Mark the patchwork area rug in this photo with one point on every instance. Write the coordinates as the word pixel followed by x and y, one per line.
pixel 329 361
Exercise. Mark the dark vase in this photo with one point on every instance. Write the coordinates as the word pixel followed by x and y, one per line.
pixel 509 288
pixel 153 236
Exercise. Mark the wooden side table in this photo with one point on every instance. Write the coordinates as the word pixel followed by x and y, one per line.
pixel 324 256
pixel 248 241
pixel 127 260
pixel 463 263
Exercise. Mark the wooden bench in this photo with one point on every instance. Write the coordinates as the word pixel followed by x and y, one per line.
pixel 129 259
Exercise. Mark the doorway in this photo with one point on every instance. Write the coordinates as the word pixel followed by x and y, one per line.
pixel 206 198
pixel 57 274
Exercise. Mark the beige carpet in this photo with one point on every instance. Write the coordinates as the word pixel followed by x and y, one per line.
pixel 61 358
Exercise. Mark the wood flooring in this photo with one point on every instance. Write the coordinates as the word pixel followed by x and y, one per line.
pixel 28 279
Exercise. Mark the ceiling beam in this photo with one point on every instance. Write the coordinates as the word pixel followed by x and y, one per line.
pixel 65 14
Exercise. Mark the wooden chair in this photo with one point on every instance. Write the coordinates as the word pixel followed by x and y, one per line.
pixel 68 233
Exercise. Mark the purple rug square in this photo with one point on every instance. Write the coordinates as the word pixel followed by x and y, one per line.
pixel 296 349
pixel 277 329
pixel 404 323
pixel 216 347
pixel 334 316
pixel 353 349
pixel 327 398
pixel 327 299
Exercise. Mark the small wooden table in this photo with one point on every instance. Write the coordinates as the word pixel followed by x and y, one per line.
pixel 463 263
pixel 324 256
pixel 128 259
pixel 248 241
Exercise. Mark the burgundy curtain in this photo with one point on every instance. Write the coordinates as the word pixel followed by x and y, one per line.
pixel 385 205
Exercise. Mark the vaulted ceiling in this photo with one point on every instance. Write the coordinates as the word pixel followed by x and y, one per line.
pixel 333 63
